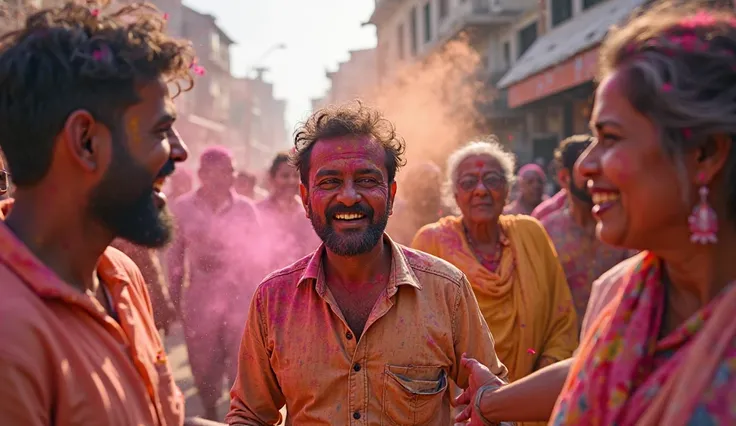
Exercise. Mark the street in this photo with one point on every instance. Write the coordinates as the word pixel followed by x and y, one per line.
pixel 177 351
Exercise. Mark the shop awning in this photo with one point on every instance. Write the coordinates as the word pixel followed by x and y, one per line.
pixel 579 34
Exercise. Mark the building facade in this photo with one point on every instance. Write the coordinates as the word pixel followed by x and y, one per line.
pixel 551 84
pixel 240 113
pixel 409 31
pixel 257 121
pixel 355 78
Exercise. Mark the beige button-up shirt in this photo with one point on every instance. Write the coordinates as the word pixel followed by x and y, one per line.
pixel 298 350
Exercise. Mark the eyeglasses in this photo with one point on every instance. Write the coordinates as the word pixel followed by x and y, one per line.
pixel 4 181
pixel 492 182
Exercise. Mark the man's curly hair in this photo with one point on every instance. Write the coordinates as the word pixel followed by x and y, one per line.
pixel 347 120
pixel 77 57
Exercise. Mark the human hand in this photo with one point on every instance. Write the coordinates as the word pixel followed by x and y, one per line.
pixel 478 376
pixel 545 361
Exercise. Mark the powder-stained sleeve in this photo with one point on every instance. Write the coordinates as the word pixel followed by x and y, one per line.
pixel 256 397
pixel 472 337
pixel 171 397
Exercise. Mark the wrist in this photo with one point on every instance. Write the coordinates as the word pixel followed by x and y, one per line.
pixel 482 402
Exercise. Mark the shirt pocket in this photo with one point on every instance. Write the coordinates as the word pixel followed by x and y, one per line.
pixel 413 394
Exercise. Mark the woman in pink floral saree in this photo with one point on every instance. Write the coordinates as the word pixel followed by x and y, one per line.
pixel 662 175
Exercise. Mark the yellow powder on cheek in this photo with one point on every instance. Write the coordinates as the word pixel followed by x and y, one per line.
pixel 134 130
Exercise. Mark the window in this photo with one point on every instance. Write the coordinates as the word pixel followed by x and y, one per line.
pixel 561 11
pixel 527 37
pixel 214 89
pixel 507 54
pixel 400 41
pixel 414 27
pixel 428 22
pixel 215 43
pixel 444 9
pixel 590 3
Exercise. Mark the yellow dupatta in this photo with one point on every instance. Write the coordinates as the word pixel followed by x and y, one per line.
pixel 526 302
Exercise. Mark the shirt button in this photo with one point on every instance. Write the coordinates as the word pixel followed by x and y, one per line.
pixel 356 367
pixel 356 415
pixel 349 335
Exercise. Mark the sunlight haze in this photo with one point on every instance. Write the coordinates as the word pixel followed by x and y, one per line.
pixel 318 34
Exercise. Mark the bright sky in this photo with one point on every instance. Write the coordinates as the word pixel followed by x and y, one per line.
pixel 318 34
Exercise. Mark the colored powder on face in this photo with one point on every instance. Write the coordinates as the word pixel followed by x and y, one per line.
pixel 134 130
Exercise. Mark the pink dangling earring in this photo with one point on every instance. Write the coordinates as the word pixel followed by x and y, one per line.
pixel 703 220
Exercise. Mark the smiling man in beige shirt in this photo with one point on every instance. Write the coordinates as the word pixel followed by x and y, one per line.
pixel 363 331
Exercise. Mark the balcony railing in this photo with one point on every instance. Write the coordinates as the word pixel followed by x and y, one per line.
pixel 479 14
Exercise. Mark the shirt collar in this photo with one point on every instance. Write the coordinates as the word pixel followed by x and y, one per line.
pixel 18 258
pixel 401 271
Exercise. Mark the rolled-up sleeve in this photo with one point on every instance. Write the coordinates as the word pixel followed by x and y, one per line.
pixel 472 337
pixel 256 397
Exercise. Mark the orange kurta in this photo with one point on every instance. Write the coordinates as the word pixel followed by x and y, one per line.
pixel 526 303
pixel 64 361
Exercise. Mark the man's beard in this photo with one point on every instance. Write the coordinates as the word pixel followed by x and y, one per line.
pixel 124 202
pixel 350 243
pixel 580 193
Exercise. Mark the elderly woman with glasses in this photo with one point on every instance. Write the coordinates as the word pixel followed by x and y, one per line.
pixel 509 260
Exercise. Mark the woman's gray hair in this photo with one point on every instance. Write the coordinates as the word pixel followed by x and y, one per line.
pixel 490 147
pixel 678 67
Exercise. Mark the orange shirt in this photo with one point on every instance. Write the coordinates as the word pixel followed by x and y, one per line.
pixel 298 350
pixel 64 361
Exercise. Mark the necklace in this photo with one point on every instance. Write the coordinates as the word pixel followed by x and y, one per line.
pixel 490 261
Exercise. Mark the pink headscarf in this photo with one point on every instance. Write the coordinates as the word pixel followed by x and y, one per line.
pixel 532 167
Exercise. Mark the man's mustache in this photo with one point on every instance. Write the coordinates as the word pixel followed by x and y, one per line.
pixel 167 170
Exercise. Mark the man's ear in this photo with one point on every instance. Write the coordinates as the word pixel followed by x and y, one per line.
pixel 304 195
pixel 86 140
pixel 391 196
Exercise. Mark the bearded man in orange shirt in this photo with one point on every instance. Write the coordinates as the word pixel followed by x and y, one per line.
pixel 86 118
pixel 363 331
